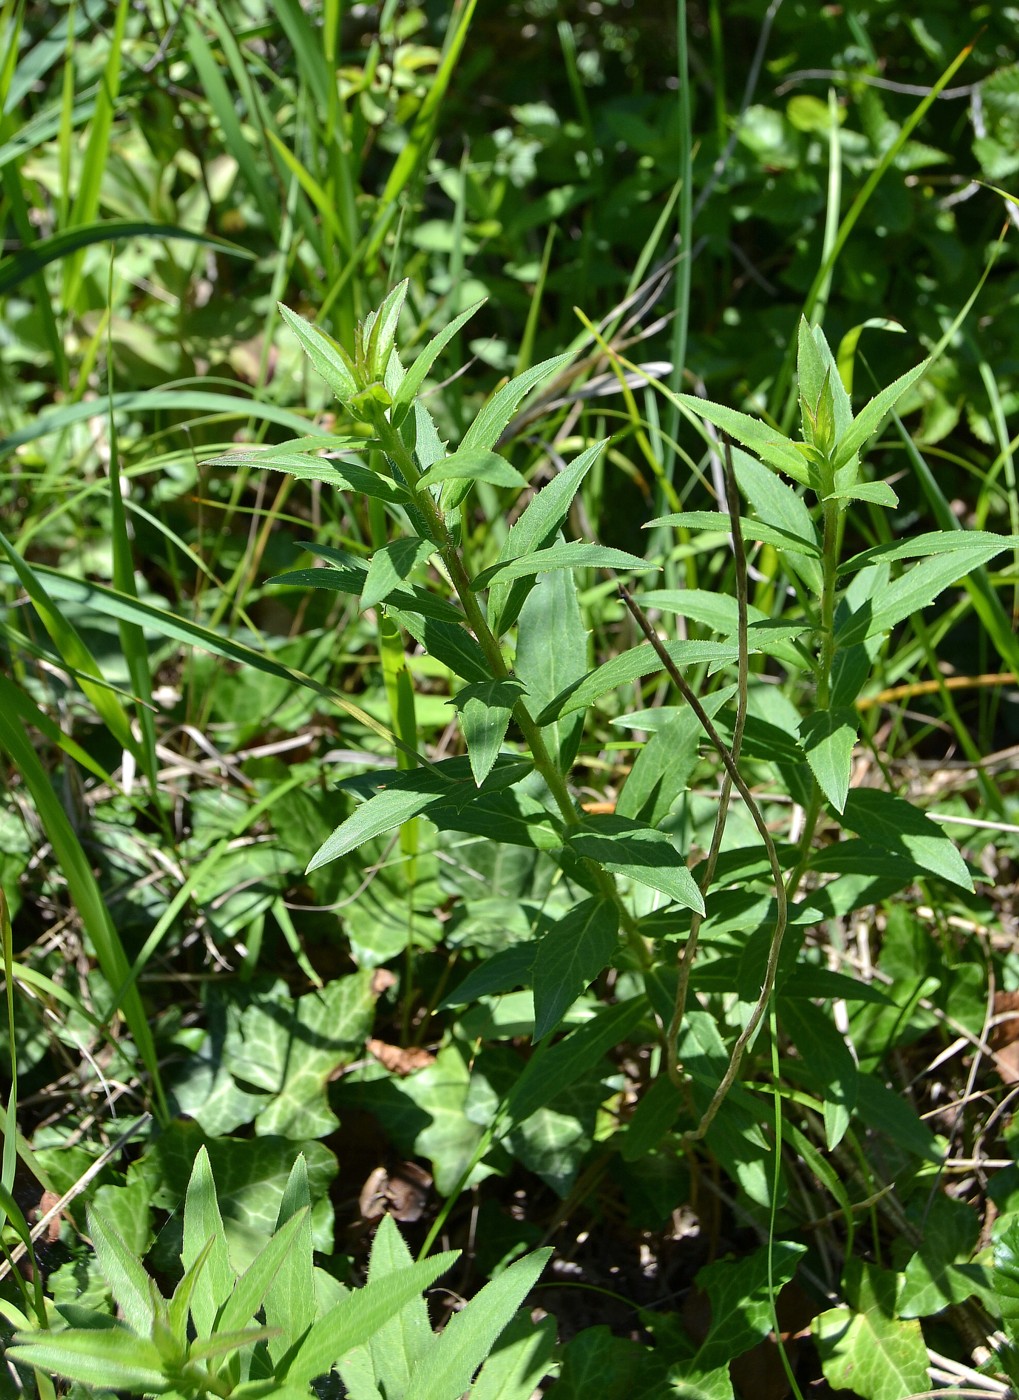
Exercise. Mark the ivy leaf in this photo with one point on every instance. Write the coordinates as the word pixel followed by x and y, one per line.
pixel 570 956
pixel 485 708
pixel 742 1294
pixel 870 1351
pixel 288 1049
pixel 1006 1279
pixel 828 738
pixel 895 824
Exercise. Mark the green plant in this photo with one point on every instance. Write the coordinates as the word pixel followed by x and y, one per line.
pixel 281 1323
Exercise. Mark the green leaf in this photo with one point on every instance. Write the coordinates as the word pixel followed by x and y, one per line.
pixel 485 708
pixel 630 666
pixel 899 827
pixel 870 1351
pixel 769 444
pixel 415 375
pixel 576 554
pixel 873 414
pixel 268 1282
pixel 751 529
pixel 380 329
pixel 779 506
pixel 878 493
pixel 522 1358
pixel 290 1048
pixel 828 1061
pixel 331 362
pixel 550 1068
pixel 391 565
pixel 828 738
pixel 113 1358
pixel 399 1344
pixel 569 957
pixel 204 1223
pixel 473 464
pixel 552 610
pixel 940 1274
pixel 916 588
pixel 352 1322
pixel 129 1283
pixel 350 579
pixel 926 545
pixel 742 1300
pixel 1006 1279
pixel 639 852
pixel 502 972
pixel 447 642
pixel 447 1368
pixel 497 411
pixel 536 527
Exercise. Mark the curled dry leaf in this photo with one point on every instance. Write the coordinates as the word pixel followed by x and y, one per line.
pixel 398 1060
pixel 402 1193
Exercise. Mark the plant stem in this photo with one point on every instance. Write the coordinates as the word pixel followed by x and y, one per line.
pixel 399 454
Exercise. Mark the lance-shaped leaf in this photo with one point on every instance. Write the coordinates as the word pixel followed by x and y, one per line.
pixel 630 666
pixel 330 361
pixel 124 1272
pixel 110 1359
pixel 769 444
pixel 391 565
pixel 473 464
pixel 873 414
pixel 446 1370
pixel 447 642
pixel 577 554
pixel 203 1224
pixel 900 828
pixel 415 375
pixel 926 545
pixel 380 330
pixel 485 708
pixel 917 588
pixel 751 529
pixel 536 527
pixel 828 738
pixel 569 957
pixel 639 852
pixel 499 409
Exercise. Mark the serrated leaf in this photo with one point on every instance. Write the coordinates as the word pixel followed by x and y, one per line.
pixel 447 642
pixel 878 493
pixel 769 444
pixel 536 527
pixel 925 546
pixel 307 465
pixel 639 852
pixel 551 609
pixel 828 738
pixel 351 579
pixel 113 1358
pixel 447 1369
pixel 897 825
pixel 1006 1279
pixel 751 529
pixel 569 957
pixel 400 1343
pixel 391 565
pixel 485 708
pixel 873 414
pixel 776 503
pixel 502 972
pixel 267 1282
pixel 520 1361
pixel 575 554
pixel 499 409
pixel 414 377
pixel 380 326
pixel 473 464
pixel 332 363
pixel 630 666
